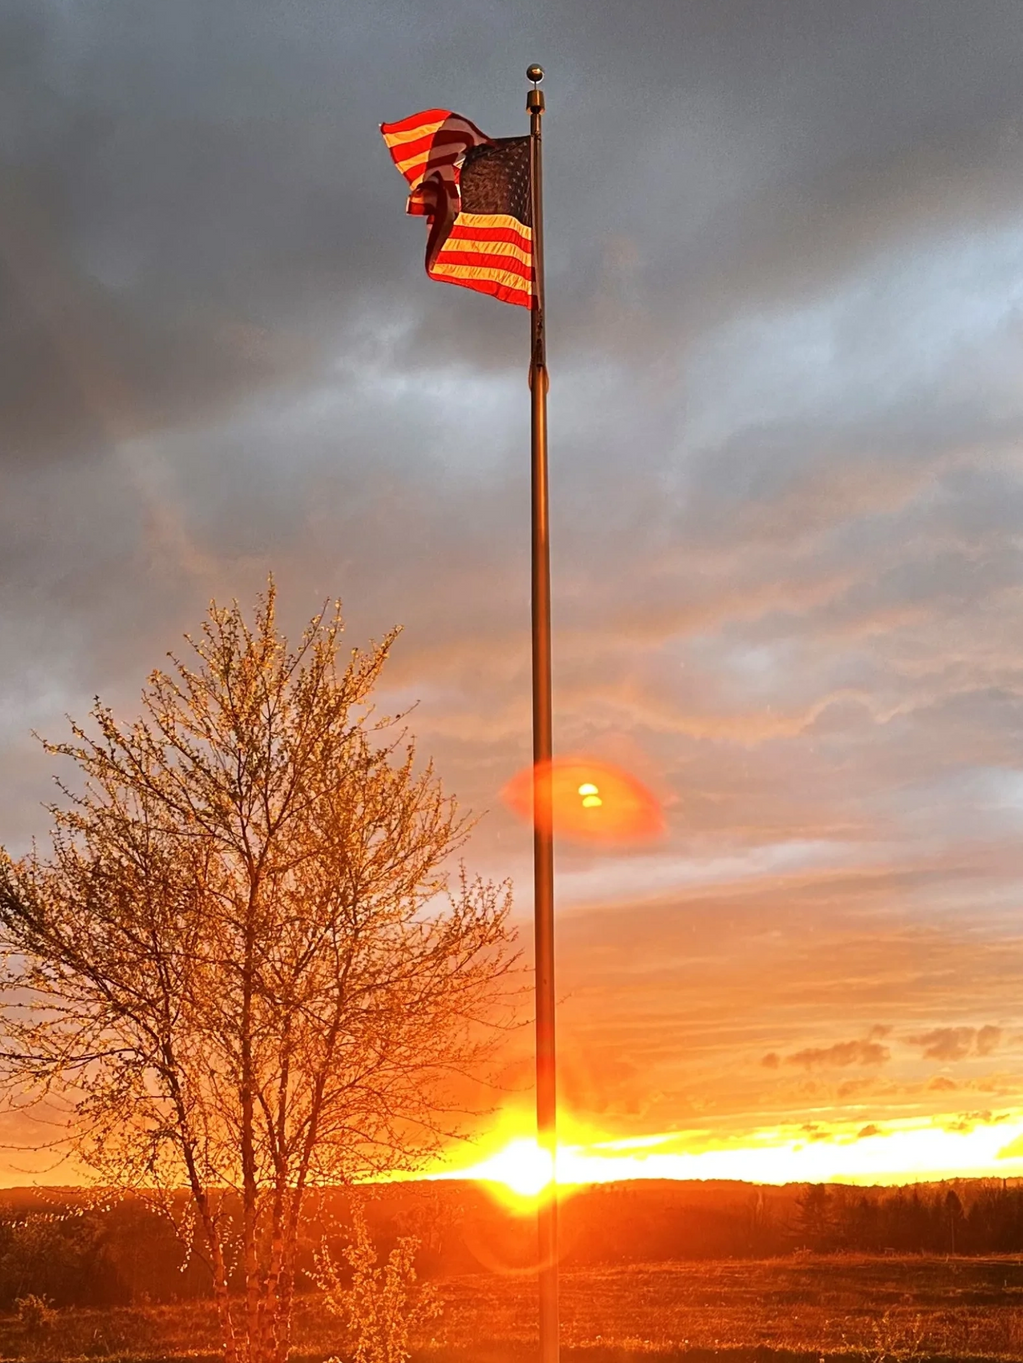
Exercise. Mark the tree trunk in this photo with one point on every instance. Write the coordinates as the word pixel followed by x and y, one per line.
pixel 249 1189
pixel 222 1299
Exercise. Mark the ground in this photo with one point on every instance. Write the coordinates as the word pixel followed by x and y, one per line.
pixel 807 1308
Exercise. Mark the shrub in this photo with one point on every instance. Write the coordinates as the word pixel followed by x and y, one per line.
pixel 385 1303
pixel 34 1313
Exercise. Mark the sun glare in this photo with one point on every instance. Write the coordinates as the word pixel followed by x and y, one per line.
pixel 521 1167
pixel 517 1170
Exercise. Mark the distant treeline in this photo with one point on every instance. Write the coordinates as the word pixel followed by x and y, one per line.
pixel 636 1222
pixel 73 1249
pixel 927 1220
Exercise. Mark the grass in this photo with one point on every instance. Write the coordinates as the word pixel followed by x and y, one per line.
pixel 856 1309
pixel 862 1308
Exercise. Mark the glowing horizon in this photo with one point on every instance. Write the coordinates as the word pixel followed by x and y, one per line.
pixel 903 1151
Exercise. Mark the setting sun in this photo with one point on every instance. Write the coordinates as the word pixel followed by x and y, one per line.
pixel 521 1167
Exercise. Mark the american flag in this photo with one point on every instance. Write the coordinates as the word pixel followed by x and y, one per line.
pixel 474 192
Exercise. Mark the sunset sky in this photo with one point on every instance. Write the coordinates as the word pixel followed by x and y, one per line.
pixel 785 286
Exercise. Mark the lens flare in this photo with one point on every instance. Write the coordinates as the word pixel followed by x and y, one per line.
pixel 586 799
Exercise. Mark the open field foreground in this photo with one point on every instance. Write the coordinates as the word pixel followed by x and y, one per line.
pixel 883 1310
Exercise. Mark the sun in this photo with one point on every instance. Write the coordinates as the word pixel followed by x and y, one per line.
pixel 513 1166
pixel 521 1167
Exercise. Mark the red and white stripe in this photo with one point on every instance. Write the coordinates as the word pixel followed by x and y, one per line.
pixel 429 145
pixel 489 253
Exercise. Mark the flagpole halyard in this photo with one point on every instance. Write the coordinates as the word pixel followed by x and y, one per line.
pixel 543 832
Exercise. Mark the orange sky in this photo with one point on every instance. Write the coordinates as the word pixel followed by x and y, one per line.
pixel 786 1026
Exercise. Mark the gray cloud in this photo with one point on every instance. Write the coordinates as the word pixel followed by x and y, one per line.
pixel 956 1043
pixel 841 1053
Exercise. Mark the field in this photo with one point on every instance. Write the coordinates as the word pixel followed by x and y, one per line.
pixel 881 1309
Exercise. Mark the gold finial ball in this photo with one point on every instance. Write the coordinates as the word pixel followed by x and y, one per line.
pixel 534 73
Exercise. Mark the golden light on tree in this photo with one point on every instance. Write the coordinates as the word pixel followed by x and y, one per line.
pixel 242 964
pixel 589 800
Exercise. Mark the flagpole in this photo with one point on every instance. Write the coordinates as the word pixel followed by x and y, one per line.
pixel 543 832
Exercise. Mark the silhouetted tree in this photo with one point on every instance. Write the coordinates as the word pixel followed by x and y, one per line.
pixel 242 962
pixel 815 1225
pixel 953 1220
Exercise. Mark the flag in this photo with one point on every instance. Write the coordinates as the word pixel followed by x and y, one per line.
pixel 474 192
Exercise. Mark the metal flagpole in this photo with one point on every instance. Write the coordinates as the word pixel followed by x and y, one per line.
pixel 543 832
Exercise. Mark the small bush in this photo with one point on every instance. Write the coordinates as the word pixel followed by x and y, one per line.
pixel 34 1313
pixel 385 1303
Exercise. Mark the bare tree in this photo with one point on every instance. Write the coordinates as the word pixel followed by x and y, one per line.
pixel 242 964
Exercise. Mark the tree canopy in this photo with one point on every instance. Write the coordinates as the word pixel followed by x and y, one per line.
pixel 242 963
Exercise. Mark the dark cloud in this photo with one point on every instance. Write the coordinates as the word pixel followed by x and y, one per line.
pixel 839 1054
pixel 956 1043
pixel 942 1084
pixel 946 1043
pixel 967 1121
